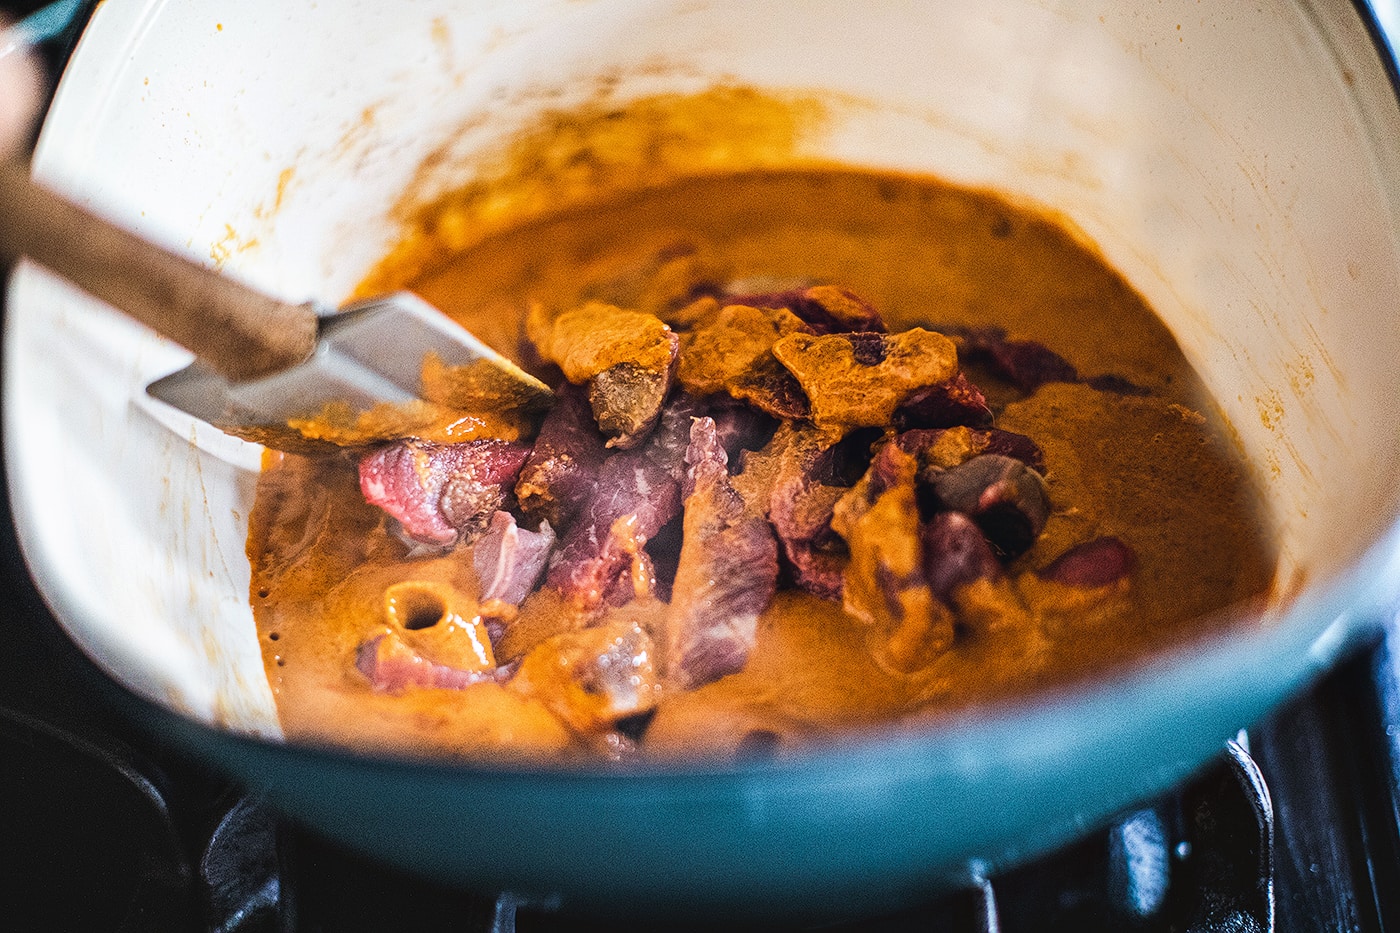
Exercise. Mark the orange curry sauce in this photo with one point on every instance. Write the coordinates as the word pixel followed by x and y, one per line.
pixel 1152 469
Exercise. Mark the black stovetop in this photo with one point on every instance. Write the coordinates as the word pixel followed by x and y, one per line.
pixel 1295 826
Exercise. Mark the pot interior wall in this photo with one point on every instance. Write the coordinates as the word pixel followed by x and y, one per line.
pixel 1237 164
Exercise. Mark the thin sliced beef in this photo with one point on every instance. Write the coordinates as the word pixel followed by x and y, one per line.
pixel 706 460
pixel 858 380
pixel 826 309
pixel 986 474
pixel 731 351
pixel 1026 364
pixel 509 561
pixel 886 586
pixel 634 499
pixel 917 584
pixel 948 404
pixel 956 553
pixel 433 639
pixel 627 360
pixel 721 350
pixel 638 582
pixel 801 517
pixel 690 314
pixel 626 400
pixel 783 482
pixel 637 493
pixel 392 667
pixel 945 448
pixel 441 494
pixel 728 570
pixel 593 677
pixel 739 429
pixel 1082 586
pixel 559 477
pixel 668 445
pixel 886 470
pixel 738 426
pixel 769 387
pixel 1101 562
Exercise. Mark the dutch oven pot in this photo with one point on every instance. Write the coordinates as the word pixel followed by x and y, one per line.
pixel 1238 163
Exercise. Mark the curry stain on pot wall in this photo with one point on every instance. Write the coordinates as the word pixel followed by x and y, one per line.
pixel 572 158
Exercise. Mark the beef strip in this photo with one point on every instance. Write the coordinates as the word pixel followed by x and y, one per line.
pixel 627 359
pixel 592 677
pixel 392 666
pixel 738 426
pixel 886 586
pixel 723 348
pixel 826 309
pixel 913 582
pixel 917 584
pixel 801 517
pixel 728 570
pixel 1026 364
pixel 1100 562
pixel 441 495
pixel 1083 586
pixel 509 561
pixel 1029 364
pixel 637 582
pixel 732 349
pixel 886 470
pixel 627 399
pixel 944 448
pixel 945 405
pixel 956 553
pixel 769 387
pixel 783 482
pixel 561 473
pixel 433 638
pixel 636 494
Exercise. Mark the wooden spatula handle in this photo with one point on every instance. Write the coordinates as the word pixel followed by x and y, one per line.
pixel 237 330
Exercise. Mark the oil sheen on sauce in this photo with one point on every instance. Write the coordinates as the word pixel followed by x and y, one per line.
pixel 1152 469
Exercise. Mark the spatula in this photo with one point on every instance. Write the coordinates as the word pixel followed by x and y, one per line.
pixel 261 362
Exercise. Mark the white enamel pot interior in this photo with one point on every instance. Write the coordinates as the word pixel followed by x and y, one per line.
pixel 1237 162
